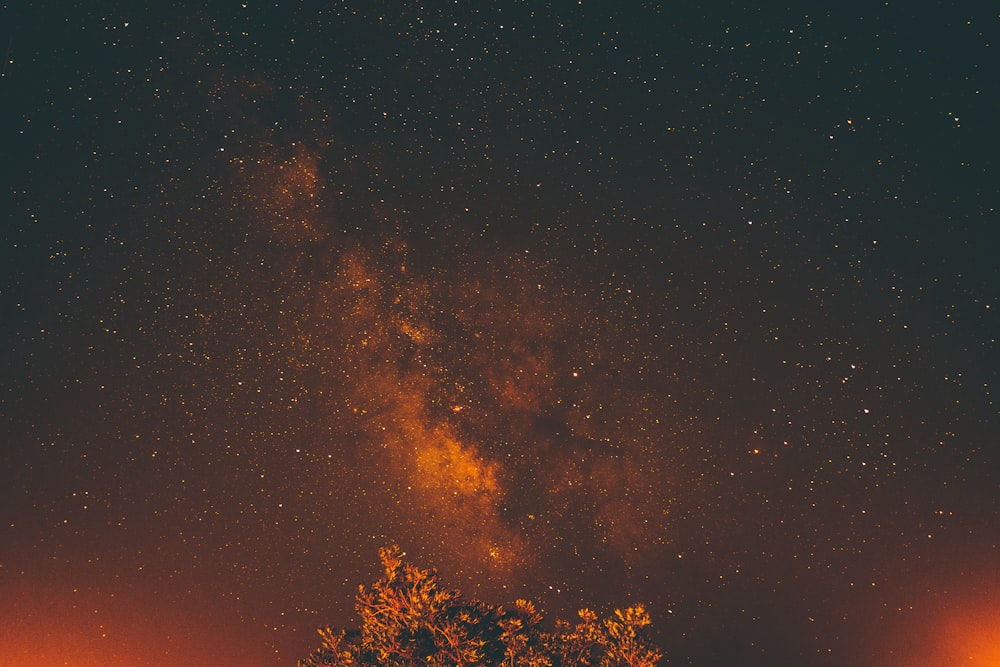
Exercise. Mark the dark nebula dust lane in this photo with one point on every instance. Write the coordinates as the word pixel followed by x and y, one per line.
pixel 586 303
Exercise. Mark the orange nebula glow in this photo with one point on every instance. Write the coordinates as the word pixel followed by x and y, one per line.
pixel 445 465
pixel 404 400
pixel 286 188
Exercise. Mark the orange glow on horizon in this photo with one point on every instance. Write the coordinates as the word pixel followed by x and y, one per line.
pixel 957 625
pixel 971 637
pixel 46 623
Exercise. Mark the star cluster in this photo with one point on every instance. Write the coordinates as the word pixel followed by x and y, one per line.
pixel 587 303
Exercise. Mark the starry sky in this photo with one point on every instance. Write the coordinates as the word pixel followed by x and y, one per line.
pixel 590 303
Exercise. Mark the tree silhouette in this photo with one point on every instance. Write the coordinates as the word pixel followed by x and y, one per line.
pixel 408 619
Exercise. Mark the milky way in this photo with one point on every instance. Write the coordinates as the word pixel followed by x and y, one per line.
pixel 590 305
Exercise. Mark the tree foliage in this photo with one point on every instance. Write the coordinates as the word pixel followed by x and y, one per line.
pixel 408 619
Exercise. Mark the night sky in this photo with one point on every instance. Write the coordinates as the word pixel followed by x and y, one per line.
pixel 590 303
